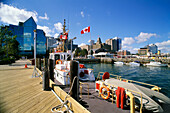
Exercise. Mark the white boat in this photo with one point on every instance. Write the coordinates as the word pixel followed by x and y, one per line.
pixel 103 55
pixel 134 64
pixel 143 97
pixel 62 68
pixel 158 64
pixel 119 63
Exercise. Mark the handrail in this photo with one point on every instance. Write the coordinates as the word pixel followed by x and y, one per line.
pixel 82 87
pixel 132 81
pixel 99 75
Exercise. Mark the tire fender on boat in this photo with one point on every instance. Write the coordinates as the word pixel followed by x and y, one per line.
pixel 102 93
pixel 81 74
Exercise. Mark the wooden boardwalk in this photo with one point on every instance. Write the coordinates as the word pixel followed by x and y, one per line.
pixel 21 93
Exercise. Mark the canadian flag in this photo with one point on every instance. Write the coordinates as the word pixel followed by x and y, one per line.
pixel 85 30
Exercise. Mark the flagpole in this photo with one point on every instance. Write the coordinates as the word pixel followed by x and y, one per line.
pixel 90 43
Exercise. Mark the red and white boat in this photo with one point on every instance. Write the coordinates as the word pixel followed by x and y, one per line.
pixel 61 61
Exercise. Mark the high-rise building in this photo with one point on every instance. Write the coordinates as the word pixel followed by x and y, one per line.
pixel 153 48
pixel 25 36
pixel 115 44
pixel 51 41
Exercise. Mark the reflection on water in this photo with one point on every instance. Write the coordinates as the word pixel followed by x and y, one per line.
pixel 153 75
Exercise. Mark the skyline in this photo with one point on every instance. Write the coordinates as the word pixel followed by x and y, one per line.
pixel 137 23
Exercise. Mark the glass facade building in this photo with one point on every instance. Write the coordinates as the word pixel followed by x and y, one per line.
pixel 41 42
pixel 25 36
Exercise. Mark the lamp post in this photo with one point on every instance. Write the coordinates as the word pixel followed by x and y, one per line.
pixel 35 71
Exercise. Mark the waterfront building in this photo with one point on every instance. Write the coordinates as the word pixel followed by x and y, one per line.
pixel 41 43
pixel 148 50
pixel 87 47
pixel 143 51
pixel 74 46
pixel 98 44
pixel 51 40
pixel 112 45
pixel 159 52
pixel 91 42
pixel 115 44
pixel 153 49
pixel 123 52
pixel 25 36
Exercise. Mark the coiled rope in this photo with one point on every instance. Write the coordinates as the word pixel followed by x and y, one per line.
pixel 55 109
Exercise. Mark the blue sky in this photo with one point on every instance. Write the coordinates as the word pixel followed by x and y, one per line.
pixel 136 22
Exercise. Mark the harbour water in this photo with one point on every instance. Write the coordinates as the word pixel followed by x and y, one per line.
pixel 159 76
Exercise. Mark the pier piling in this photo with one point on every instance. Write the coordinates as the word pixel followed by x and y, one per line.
pixel 45 77
pixel 50 69
pixel 74 73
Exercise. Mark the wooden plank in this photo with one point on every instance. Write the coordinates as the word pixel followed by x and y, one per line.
pixel 21 93
pixel 76 107
pixel 44 98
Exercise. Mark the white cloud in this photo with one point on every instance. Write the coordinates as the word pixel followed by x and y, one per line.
pixel 82 14
pixel 128 41
pixel 164 46
pixel 46 29
pixel 127 47
pixel 134 50
pixel 143 37
pixel 56 35
pixel 164 43
pixel 58 26
pixel 44 18
pixel 13 15
pixel 82 44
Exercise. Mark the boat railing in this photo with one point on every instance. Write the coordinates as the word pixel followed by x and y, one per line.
pixel 111 75
pixel 154 87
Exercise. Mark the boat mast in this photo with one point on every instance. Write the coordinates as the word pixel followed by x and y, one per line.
pixel 64 31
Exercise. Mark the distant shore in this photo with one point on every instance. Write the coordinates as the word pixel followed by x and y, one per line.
pixel 126 60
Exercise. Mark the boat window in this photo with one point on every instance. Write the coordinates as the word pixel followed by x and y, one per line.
pixel 57 57
pixel 68 57
pixel 62 56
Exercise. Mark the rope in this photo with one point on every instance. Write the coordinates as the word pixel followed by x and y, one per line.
pixel 54 109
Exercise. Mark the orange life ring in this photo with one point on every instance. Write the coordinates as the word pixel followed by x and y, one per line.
pixel 102 93
pixel 57 61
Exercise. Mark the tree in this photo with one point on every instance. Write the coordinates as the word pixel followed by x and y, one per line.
pixel 84 52
pixel 9 46
pixel 77 52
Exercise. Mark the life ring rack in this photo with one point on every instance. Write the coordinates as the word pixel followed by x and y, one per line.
pixel 59 62
pixel 102 93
